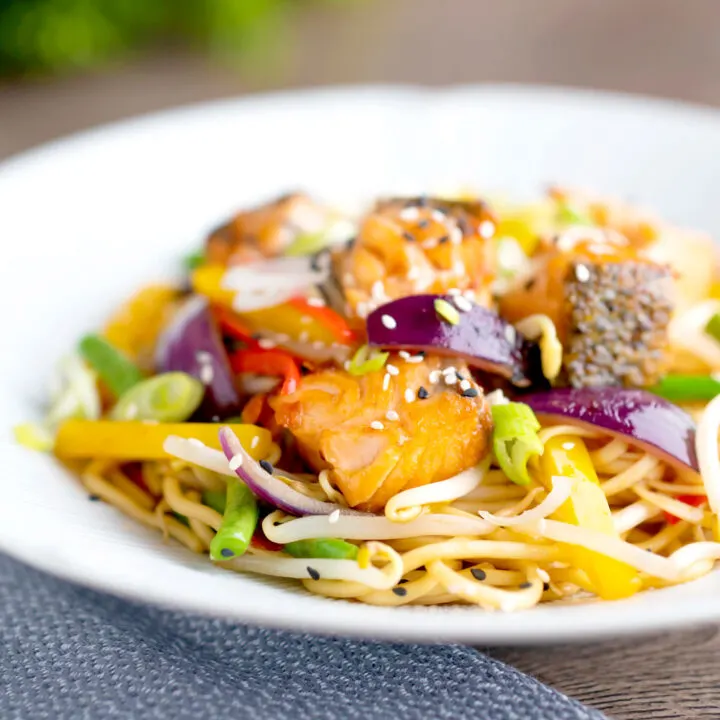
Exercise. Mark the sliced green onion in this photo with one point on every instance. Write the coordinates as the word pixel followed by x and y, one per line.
pixel 567 215
pixel 331 548
pixel 515 439
pixel 307 244
pixel 446 311
pixel 365 361
pixel 713 327
pixel 117 371
pixel 34 436
pixel 214 499
pixel 238 524
pixel 687 388
pixel 168 398
pixel 194 260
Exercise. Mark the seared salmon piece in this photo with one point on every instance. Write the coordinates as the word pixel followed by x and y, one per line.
pixel 610 303
pixel 381 433
pixel 265 231
pixel 410 246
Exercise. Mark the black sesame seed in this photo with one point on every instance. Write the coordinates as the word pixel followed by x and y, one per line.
pixel 420 353
pixel 423 394
pixel 93 498
pixel 400 591
pixel 408 236
pixel 470 393
pixel 525 585
pixel 459 376
pixel 478 574
pixel 530 284
pixel 423 201
pixel 423 223
pixel 442 240
pixel 402 581
pixel 227 553
pixel 546 586
pixel 350 243
pixel 266 466
pixel 313 573
pixel 304 370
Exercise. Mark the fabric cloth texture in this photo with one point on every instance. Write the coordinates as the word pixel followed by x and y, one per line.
pixel 72 653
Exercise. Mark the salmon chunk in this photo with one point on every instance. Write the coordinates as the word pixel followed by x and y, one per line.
pixel 380 433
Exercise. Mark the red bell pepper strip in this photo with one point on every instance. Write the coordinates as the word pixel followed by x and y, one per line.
pixel 693 500
pixel 268 362
pixel 326 316
pixel 232 326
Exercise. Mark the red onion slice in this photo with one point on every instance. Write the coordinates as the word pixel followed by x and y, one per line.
pixel 271 489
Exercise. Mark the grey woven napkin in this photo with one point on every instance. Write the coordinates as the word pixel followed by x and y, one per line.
pixel 71 653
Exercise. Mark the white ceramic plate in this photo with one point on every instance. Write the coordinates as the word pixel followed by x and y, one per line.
pixel 84 221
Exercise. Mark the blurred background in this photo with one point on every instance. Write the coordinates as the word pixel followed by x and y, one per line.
pixel 69 64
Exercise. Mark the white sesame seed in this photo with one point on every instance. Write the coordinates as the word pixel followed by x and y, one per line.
pixel 235 462
pixel 459 267
pixel 386 381
pixel 196 442
pixel 510 334
pixel 456 236
pixel 449 370
pixel 465 385
pixel 254 442
pixel 434 377
pixel 316 302
pixel 413 273
pixel 438 216
pixel 542 574
pixel 203 357
pixel 450 379
pixel 389 322
pixel 392 415
pixel 487 229
pixel 305 320
pixel 404 354
pixel 215 418
pixel 415 359
pixel 334 516
pixel 454 291
pixel 363 310
pixel 568 446
pixel 377 425
pixel 346 365
pixel 469 294
pixel 582 273
pixel 378 290
pixel 409 395
pixel 304 336
pixel 266 344
pixel 429 244
pixel 409 214
pixel 207 374
pixel 392 369
pixel 462 303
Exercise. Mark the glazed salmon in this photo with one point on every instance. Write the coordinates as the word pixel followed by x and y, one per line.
pixel 409 246
pixel 610 303
pixel 381 433
pixel 266 231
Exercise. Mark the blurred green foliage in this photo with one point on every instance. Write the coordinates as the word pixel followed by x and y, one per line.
pixel 49 36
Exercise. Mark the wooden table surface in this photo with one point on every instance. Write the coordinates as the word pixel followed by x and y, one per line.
pixel 661 47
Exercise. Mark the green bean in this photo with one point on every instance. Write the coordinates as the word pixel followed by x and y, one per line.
pixel 238 524
pixel 117 371
pixel 168 398
pixel 332 548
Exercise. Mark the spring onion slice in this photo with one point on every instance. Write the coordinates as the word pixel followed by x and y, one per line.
pixel 568 215
pixel 515 439
pixel 712 328
pixel 331 548
pixel 687 388
pixel 194 260
pixel 446 311
pixel 365 361
pixel 168 398
pixel 117 371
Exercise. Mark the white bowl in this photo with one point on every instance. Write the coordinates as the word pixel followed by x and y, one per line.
pixel 84 221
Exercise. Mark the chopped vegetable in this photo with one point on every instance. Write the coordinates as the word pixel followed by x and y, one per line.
pixel 638 416
pixel 713 327
pixel 307 244
pixel 194 260
pixel 693 500
pixel 515 439
pixel 238 523
pixel 114 368
pixel 168 398
pixel 587 507
pixel 446 311
pixel 366 361
pixel 216 499
pixel 275 363
pixel 687 388
pixel 331 548
pixel 144 440
pixel 569 215
pixel 34 436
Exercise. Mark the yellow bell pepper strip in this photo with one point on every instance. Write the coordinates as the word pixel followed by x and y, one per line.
pixel 297 319
pixel 586 507
pixel 135 327
pixel 106 439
